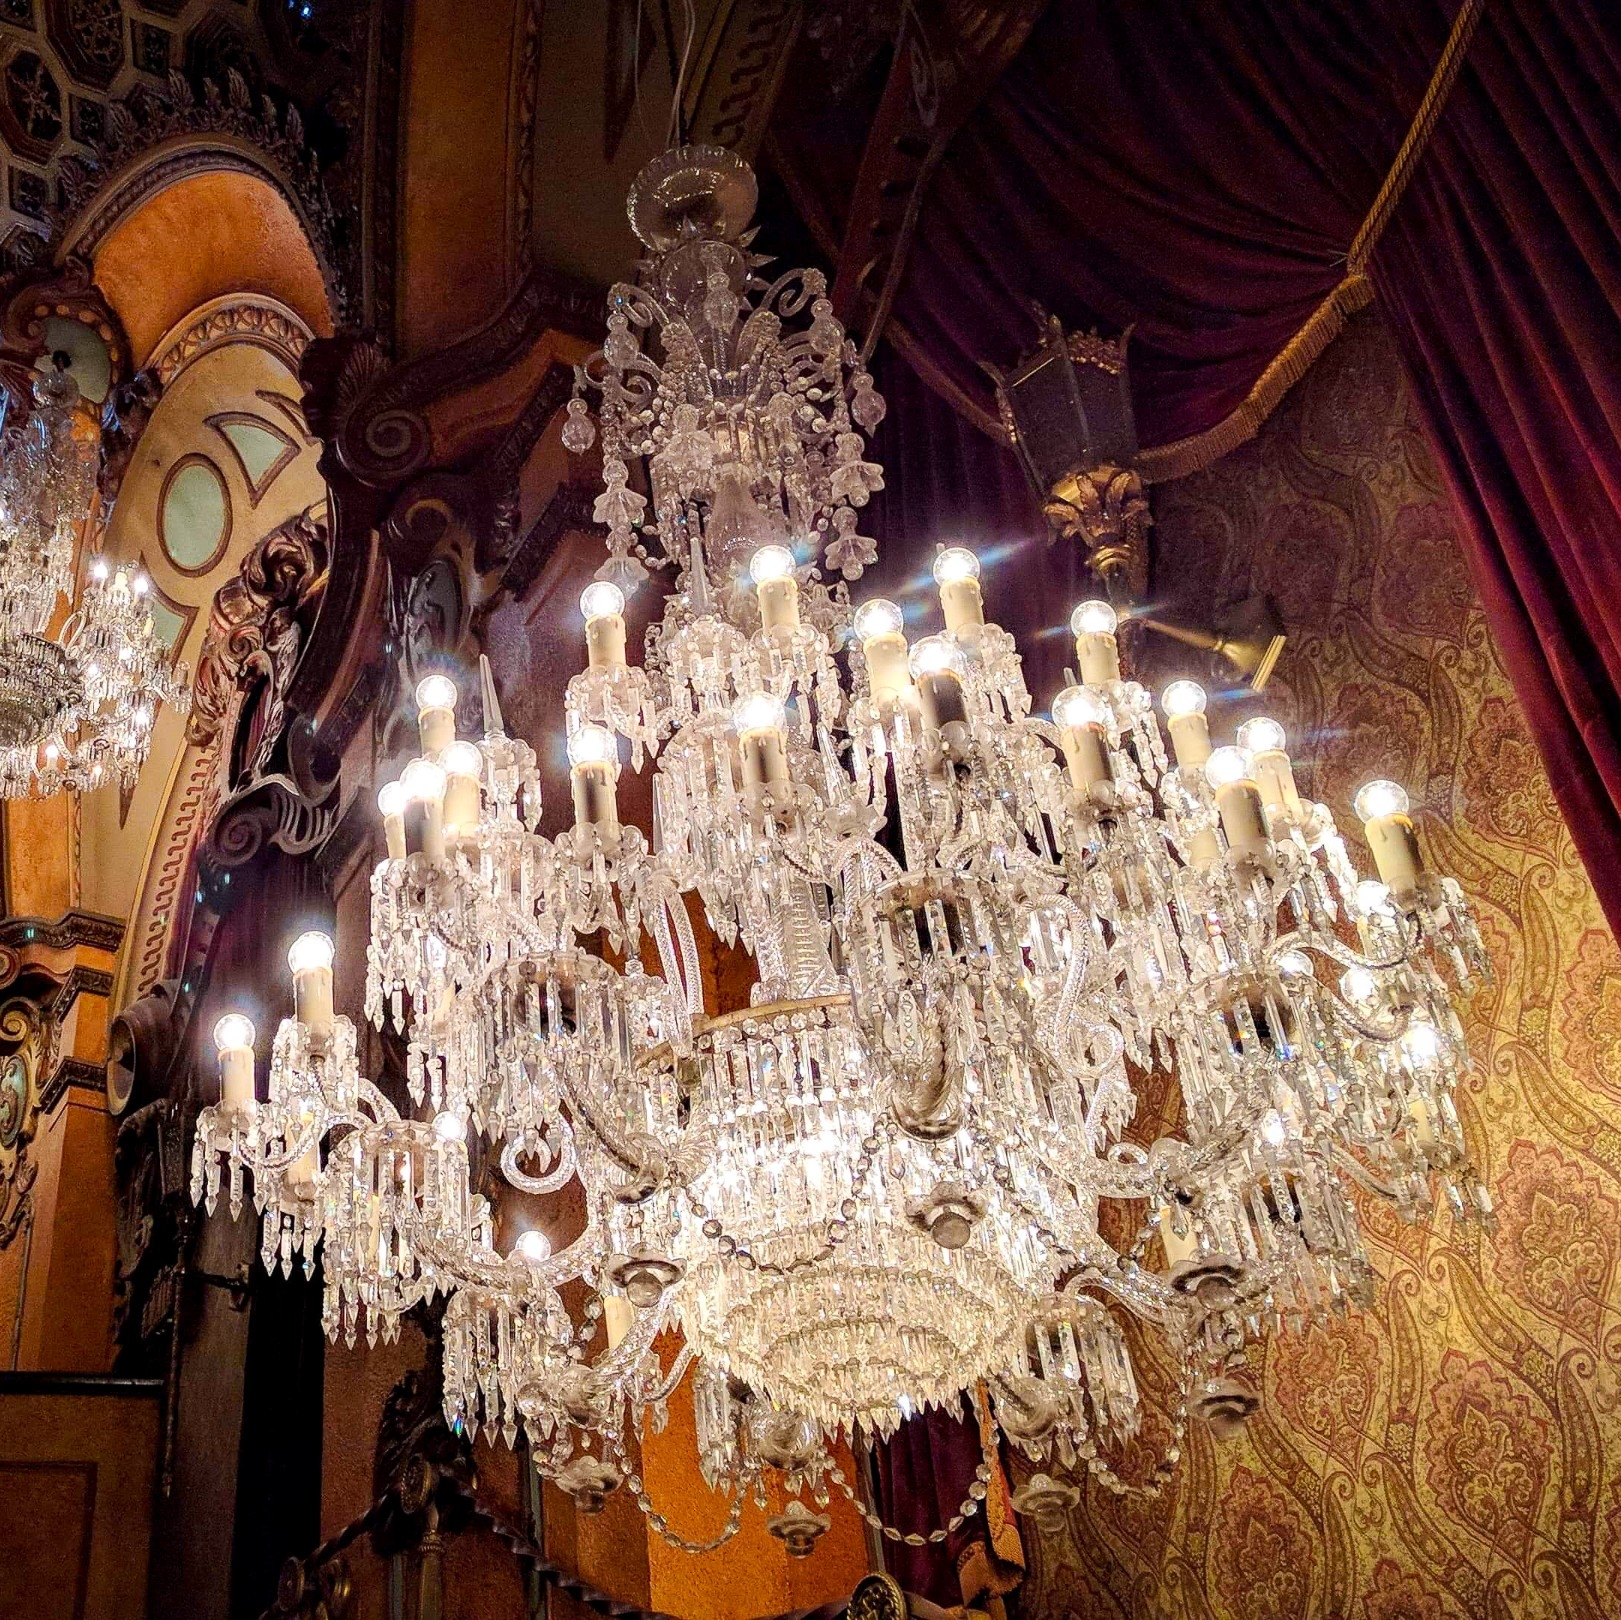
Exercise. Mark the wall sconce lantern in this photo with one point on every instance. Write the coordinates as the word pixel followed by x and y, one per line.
pixel 1067 410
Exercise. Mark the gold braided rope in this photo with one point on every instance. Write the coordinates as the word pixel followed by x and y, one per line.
pixel 1180 457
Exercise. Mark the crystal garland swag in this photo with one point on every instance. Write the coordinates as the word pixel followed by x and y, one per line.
pixel 978 933
pixel 77 706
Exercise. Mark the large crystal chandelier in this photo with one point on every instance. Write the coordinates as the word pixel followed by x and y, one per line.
pixel 902 1174
pixel 77 698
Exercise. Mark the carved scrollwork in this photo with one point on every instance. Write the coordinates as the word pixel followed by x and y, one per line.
pixel 878 1597
pixel 26 1039
pixel 254 635
pixel 1106 508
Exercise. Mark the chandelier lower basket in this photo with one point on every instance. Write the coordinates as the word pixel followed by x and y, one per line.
pixel 811 1273
pixel 856 1342
pixel 39 690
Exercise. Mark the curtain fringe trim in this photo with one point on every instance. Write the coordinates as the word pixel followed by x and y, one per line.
pixel 1163 462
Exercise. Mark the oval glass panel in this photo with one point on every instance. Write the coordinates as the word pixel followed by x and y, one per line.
pixel 196 517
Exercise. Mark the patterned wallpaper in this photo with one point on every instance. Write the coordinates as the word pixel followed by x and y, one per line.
pixel 1457 1451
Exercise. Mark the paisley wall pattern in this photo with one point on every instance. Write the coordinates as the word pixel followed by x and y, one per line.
pixel 1455 1452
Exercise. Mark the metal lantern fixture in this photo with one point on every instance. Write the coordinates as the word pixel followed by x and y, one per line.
pixel 1067 410
pixel 1068 413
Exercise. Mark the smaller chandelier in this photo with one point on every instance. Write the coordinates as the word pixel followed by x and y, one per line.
pixel 77 698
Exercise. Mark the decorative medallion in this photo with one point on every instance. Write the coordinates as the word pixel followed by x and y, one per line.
pixel 14 1088
pixel 89 37
pixel 31 111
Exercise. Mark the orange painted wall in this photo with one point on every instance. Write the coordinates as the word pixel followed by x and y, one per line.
pixel 67 1309
pixel 78 1471
pixel 199 239
pixel 454 157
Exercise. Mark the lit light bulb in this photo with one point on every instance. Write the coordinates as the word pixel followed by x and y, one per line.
pixel 1420 1044
pixel 1181 698
pixel 768 563
pixel 310 950
pixel 600 599
pixel 449 1127
pixel 534 1247
pixel 955 563
pixel 1358 986
pixel 593 745
pixel 423 781
pixel 1295 965
pixel 1379 799
pixel 1262 736
pixel 392 799
pixel 98 570
pixel 1273 1130
pixel 1226 766
pixel 879 617
pixel 1373 898
pixel 1093 619
pixel 436 692
pixel 141 585
pixel 934 655
pixel 462 759
pixel 1076 706
pixel 759 711
pixel 234 1033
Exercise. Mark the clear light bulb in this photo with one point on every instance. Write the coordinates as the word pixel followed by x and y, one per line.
pixel 423 780
pixel 234 1033
pixel 392 799
pixel 955 563
pixel 1226 766
pixel 1380 799
pixel 879 617
pixel 462 759
pixel 1181 698
pixel 759 711
pixel 449 1127
pixel 1075 707
pixel 934 655
pixel 435 692
pixel 141 585
pixel 310 950
pixel 1358 986
pixel 534 1247
pixel 1262 736
pixel 1373 898
pixel 1093 619
pixel 1420 1045
pixel 98 570
pixel 600 599
pixel 771 562
pixel 593 745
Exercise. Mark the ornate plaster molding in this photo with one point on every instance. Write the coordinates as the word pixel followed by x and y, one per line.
pixel 150 140
pixel 265 322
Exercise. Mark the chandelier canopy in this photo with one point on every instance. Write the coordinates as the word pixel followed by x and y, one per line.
pixel 77 698
pixel 981 935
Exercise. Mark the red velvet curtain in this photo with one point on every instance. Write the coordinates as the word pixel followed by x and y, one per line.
pixel 1198 168
pixel 1501 277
